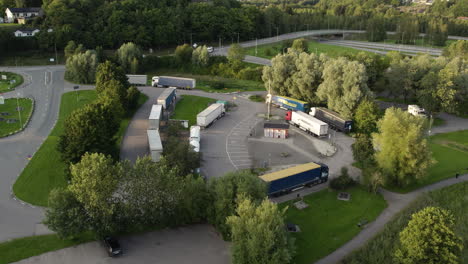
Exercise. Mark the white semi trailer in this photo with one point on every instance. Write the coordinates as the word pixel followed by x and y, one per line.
pixel 155 145
pixel 137 79
pixel 195 145
pixel 195 133
pixel 210 114
pixel 308 123
pixel 155 117
pixel 169 81
pixel 416 110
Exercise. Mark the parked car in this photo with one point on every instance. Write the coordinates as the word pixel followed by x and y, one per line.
pixel 112 246
pixel 210 49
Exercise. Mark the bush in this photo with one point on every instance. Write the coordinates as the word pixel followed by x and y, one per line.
pixel 343 182
pixel 252 74
pixel 268 52
pixel 218 85
pixel 132 97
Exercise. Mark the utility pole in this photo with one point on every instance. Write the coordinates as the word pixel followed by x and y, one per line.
pixel 220 42
pixel 238 37
pixel 256 46
pixel 277 33
pixel 269 100
pixel 56 57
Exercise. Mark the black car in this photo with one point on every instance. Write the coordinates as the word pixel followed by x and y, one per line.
pixel 112 246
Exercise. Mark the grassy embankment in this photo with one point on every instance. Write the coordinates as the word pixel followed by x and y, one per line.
pixel 10 107
pixel 381 247
pixel 269 51
pixel 189 106
pixel 328 222
pixel 46 170
pixel 6 86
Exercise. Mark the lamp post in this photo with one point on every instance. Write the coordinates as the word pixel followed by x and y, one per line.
pixel 277 33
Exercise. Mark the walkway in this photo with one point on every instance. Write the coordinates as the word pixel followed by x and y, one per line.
pixel 396 203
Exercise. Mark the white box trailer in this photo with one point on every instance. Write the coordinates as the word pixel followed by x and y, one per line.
pixel 416 110
pixel 169 81
pixel 155 117
pixel 195 133
pixel 137 79
pixel 309 123
pixel 195 145
pixel 155 145
pixel 210 114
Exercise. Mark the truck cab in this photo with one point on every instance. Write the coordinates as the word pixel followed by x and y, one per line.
pixel 324 173
pixel 288 116
pixel 155 81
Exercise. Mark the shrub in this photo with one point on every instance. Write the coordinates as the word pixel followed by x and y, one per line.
pixel 218 85
pixel 132 97
pixel 252 74
pixel 343 182
pixel 268 52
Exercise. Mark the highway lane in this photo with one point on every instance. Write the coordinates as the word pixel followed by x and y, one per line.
pixel 45 85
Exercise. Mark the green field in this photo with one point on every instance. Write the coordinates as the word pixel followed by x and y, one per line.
pixel 450 150
pixel 10 107
pixel 208 83
pixel 269 51
pixel 5 85
pixel 328 223
pixel 26 247
pixel 46 170
pixel 189 106
pixel 31 58
pixel 380 248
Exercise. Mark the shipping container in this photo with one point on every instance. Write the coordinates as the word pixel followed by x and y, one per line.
pixel 155 117
pixel 167 98
pixel 333 119
pixel 210 114
pixel 307 123
pixel 155 145
pixel 284 181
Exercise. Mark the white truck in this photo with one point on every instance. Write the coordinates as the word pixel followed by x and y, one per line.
pixel 195 133
pixel 155 117
pixel 137 79
pixel 195 145
pixel 155 145
pixel 210 114
pixel 308 123
pixel 178 82
pixel 416 110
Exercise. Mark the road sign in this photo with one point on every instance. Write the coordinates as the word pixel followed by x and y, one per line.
pixel 52 59
pixel 2 100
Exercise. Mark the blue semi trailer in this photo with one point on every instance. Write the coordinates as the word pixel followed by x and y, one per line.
pixel 167 98
pixel 284 181
pixel 290 103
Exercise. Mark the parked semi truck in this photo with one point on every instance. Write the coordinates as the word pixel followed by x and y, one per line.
pixel 210 114
pixel 195 133
pixel 287 180
pixel 168 81
pixel 155 145
pixel 155 117
pixel 137 79
pixel 333 119
pixel 195 145
pixel 167 98
pixel 288 103
pixel 307 123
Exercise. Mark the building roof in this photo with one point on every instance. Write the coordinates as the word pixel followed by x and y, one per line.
pixel 25 10
pixel 288 172
pixel 276 125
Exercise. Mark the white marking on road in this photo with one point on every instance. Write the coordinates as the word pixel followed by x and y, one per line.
pixel 227 138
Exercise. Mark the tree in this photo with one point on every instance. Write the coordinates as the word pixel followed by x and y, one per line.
pixel 200 56
pixel 94 180
pixel 300 45
pixel 344 85
pixel 109 71
pixel 183 54
pixel 81 67
pixel 429 238
pixel 457 49
pixel 88 129
pixel 180 154
pixel 70 49
pixel 65 214
pixel 128 55
pixel 115 94
pixel 366 117
pixel 437 32
pixel 375 30
pixel 363 150
pixel 259 234
pixel 402 152
pixel 452 88
pixel 407 30
pixel 224 192
pixel 236 54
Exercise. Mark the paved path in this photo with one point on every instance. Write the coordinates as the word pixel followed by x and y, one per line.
pixel 384 47
pixel 396 203
pixel 184 245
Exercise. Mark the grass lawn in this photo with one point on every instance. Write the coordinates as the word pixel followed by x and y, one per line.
pixel 381 247
pixel 31 58
pixel 208 83
pixel 46 170
pixel 328 222
pixel 5 85
pixel 269 51
pixel 450 150
pixel 189 106
pixel 21 248
pixel 10 107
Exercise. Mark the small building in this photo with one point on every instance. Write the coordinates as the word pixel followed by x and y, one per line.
pixel 26 32
pixel 14 14
pixel 276 130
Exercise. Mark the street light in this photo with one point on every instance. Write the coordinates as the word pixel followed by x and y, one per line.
pixel 277 33
pixel 76 87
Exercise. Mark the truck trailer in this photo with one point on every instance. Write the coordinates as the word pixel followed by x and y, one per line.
pixel 155 117
pixel 167 98
pixel 287 180
pixel 288 103
pixel 195 133
pixel 333 119
pixel 137 79
pixel 307 123
pixel 178 82
pixel 195 145
pixel 155 145
pixel 210 114
pixel 416 110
